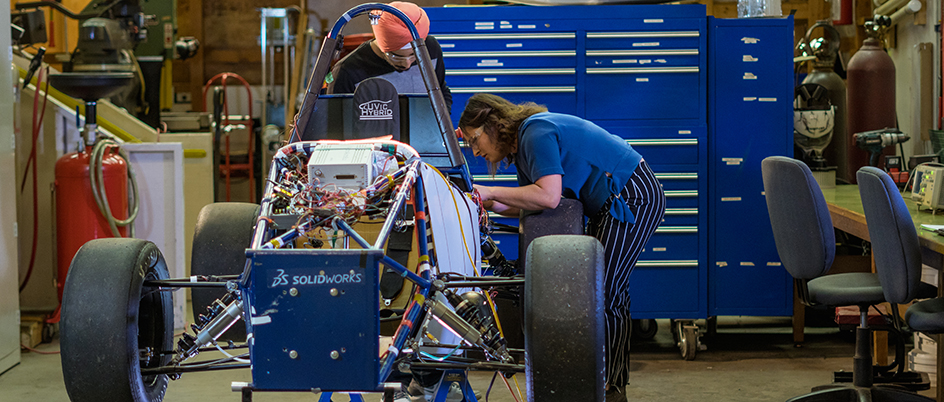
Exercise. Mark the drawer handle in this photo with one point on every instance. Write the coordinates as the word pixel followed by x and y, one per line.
pixel 681 193
pixel 667 263
pixel 653 52
pixel 648 142
pixel 495 90
pixel 533 53
pixel 561 35
pixel 518 71
pixel 677 229
pixel 676 176
pixel 681 211
pixel 652 34
pixel 498 177
pixel 643 70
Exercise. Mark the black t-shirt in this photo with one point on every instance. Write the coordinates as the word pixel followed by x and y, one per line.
pixel 363 63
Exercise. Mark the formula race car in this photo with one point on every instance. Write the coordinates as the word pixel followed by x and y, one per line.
pixel 291 288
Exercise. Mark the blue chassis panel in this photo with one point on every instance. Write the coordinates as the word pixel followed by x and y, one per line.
pixel 335 348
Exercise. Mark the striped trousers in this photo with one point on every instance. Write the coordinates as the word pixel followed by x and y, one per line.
pixel 622 243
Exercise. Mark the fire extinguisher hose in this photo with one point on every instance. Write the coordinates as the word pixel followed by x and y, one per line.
pixel 97 178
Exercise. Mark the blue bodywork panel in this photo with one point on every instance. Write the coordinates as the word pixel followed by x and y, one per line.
pixel 321 305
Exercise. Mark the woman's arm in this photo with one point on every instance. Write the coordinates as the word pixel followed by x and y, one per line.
pixel 545 193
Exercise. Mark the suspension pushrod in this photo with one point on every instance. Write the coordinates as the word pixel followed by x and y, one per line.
pixel 188 369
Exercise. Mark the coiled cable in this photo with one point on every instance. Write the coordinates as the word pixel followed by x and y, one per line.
pixel 97 180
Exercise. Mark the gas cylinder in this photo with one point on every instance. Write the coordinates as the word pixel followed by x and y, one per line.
pixel 836 154
pixel 870 98
pixel 78 218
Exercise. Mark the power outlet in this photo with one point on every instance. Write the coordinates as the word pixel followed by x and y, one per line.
pixel 182 97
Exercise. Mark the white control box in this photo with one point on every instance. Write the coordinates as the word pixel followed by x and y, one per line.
pixel 928 186
pixel 347 166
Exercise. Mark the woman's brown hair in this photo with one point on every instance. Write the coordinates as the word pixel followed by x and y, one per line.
pixel 500 118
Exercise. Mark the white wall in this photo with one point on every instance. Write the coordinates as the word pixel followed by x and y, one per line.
pixel 905 56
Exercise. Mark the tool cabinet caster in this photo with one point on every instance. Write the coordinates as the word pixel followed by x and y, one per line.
pixel 685 333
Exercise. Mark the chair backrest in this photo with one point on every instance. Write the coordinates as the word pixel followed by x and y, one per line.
pixel 803 230
pixel 892 232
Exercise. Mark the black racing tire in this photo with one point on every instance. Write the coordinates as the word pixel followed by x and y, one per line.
pixel 564 326
pixel 220 240
pixel 109 317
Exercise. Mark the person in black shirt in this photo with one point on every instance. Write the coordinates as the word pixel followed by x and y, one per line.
pixel 390 56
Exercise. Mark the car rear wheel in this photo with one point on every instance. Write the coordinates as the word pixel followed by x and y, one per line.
pixel 222 234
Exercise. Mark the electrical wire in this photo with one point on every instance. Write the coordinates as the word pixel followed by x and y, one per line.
pixel 33 160
pixel 235 358
pixel 22 346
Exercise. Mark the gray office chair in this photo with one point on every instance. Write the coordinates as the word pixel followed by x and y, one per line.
pixel 805 240
pixel 897 252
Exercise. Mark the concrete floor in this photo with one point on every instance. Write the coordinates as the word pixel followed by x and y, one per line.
pixel 749 359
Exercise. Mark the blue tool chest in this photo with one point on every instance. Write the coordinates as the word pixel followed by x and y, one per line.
pixel 751 118
pixel 642 73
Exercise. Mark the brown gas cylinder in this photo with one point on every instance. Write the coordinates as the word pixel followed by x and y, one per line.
pixel 870 97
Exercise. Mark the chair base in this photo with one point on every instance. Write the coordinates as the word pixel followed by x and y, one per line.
pixel 848 393
pixel 910 380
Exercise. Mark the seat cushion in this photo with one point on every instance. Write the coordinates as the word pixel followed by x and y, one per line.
pixel 926 316
pixel 846 289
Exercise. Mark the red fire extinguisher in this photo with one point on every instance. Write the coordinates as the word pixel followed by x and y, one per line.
pixel 80 179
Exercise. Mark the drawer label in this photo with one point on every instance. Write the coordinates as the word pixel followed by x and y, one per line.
pixel 490 63
pixel 685 131
pixel 749 76
pixel 729 199
pixel 490 79
pixel 750 41
pixel 748 58
pixel 767 99
pixel 513 45
pixel 747 264
pixel 527 26
pixel 774 264
pixel 732 161
pixel 447 45
pixel 484 25
pixel 646 44
pixel 750 98
pixel 722 263
pixel 627 61
pixel 653 21
pixel 642 80
pixel 658 249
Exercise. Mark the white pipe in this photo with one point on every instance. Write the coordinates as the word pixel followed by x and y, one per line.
pixel 886 9
pixel 912 7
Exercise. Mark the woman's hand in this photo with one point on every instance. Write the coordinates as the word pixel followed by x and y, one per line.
pixel 485 192
pixel 545 193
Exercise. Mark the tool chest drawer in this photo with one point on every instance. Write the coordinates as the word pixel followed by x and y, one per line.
pixel 510 59
pixel 641 58
pixel 503 77
pixel 648 40
pixel 557 99
pixel 679 242
pixel 667 288
pixel 653 92
pixel 509 41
